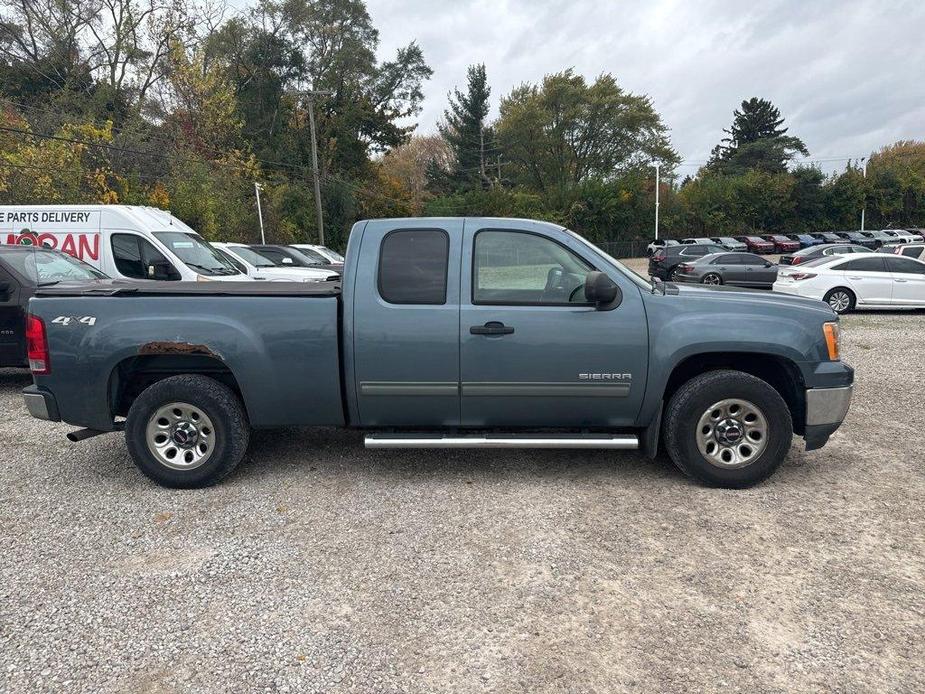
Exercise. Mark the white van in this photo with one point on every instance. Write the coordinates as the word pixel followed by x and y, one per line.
pixel 124 241
pixel 257 267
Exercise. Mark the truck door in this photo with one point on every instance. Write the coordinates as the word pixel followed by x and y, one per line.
pixel 406 323
pixel 533 352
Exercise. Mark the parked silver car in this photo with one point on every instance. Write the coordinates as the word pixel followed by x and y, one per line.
pixel 737 269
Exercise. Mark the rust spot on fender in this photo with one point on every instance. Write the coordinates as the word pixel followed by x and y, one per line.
pixel 176 348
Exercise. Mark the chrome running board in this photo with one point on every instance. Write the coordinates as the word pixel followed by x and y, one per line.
pixel 622 442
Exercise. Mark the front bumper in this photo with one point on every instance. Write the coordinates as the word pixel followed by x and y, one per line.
pixel 41 404
pixel 825 411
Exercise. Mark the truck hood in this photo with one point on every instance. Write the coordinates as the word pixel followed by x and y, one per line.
pixel 756 297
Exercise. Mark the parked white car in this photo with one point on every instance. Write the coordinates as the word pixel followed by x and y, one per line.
pixel 124 241
pixel 861 280
pixel 258 267
pixel 909 250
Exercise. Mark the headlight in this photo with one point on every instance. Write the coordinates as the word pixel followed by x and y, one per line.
pixel 831 331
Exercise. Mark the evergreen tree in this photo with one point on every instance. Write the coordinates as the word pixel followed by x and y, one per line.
pixel 466 132
pixel 756 140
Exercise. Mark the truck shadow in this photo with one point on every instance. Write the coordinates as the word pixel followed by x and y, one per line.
pixel 303 451
pixel 13 379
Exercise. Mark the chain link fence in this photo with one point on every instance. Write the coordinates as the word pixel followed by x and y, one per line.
pixel 635 248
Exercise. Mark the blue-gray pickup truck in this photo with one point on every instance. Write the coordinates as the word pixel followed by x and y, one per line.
pixel 444 333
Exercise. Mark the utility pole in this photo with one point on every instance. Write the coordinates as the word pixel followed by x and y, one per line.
pixel 315 173
pixel 864 203
pixel 499 170
pixel 263 239
pixel 656 200
pixel 481 156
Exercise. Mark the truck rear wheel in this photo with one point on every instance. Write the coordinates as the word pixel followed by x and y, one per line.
pixel 727 429
pixel 187 431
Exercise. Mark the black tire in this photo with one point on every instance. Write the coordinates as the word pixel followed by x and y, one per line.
pixel 673 275
pixel 852 299
pixel 712 276
pixel 222 407
pixel 694 399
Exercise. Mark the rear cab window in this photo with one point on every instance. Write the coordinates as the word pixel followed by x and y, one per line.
pixel 413 266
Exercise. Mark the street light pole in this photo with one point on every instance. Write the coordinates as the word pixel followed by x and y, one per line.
pixel 864 203
pixel 315 173
pixel 263 239
pixel 656 200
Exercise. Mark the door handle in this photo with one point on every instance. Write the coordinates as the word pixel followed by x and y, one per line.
pixel 491 328
pixel 900 280
pixel 855 278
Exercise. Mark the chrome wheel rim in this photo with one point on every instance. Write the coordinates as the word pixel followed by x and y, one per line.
pixel 732 433
pixel 839 301
pixel 180 436
pixel 711 279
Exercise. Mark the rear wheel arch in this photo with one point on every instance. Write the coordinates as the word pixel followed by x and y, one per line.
pixel 780 372
pixel 131 376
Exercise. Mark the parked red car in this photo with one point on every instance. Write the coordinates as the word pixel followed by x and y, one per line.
pixel 756 244
pixel 782 244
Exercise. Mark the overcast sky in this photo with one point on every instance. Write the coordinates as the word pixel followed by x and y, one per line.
pixel 848 75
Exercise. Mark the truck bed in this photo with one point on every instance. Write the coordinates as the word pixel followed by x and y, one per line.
pixel 278 342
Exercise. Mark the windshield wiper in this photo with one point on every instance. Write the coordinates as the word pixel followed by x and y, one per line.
pixel 213 270
pixel 48 283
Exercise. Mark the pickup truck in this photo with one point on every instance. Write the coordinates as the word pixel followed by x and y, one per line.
pixel 444 333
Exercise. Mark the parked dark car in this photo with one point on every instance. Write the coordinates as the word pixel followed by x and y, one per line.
pixel 860 239
pixel 22 270
pixel 782 244
pixel 806 241
pixel 287 256
pixel 729 243
pixel 737 269
pixel 662 263
pixel 756 244
pixel 806 254
pixel 828 237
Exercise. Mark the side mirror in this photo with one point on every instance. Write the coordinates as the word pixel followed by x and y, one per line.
pixel 768 264
pixel 601 290
pixel 4 289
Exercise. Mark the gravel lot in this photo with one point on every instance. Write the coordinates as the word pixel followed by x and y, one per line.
pixel 320 566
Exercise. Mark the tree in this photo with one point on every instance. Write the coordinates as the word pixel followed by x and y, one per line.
pixel 465 131
pixel 413 163
pixel 756 141
pixel 566 131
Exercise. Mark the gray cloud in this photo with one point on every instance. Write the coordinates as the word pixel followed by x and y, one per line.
pixel 848 76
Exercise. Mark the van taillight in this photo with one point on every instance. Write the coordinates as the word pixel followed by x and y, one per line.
pixel 37 346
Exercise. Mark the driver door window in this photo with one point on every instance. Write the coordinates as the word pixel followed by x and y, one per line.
pixel 134 257
pixel 518 268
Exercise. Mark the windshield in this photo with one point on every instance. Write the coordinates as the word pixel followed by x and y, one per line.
pixel 313 257
pixel 638 279
pixel 193 250
pixel 48 266
pixel 820 261
pixel 251 256
pixel 333 256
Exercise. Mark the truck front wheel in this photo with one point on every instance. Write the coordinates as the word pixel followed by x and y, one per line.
pixel 187 431
pixel 727 429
